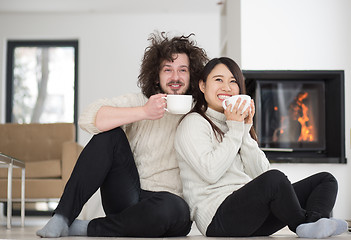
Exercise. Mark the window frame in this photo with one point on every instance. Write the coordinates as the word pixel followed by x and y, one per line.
pixel 11 45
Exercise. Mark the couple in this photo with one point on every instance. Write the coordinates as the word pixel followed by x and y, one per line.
pixel 224 175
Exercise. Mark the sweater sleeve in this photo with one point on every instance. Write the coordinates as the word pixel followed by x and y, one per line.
pixel 197 145
pixel 87 118
pixel 254 160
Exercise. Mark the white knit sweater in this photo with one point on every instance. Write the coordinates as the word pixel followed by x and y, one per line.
pixel 212 170
pixel 151 141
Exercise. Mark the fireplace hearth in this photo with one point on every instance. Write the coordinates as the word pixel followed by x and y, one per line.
pixel 299 115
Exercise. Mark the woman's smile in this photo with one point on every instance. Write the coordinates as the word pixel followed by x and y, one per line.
pixel 223 97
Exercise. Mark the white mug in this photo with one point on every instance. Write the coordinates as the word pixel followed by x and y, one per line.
pixel 178 104
pixel 232 100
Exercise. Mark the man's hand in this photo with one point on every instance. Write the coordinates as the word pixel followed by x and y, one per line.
pixel 155 107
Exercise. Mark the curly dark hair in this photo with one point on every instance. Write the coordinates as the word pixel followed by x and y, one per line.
pixel 162 48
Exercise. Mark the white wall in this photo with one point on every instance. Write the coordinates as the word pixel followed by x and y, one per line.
pixel 110 46
pixel 303 35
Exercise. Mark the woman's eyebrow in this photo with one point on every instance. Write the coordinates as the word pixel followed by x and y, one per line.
pixel 217 76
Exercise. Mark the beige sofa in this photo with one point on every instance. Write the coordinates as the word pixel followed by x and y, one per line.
pixel 49 152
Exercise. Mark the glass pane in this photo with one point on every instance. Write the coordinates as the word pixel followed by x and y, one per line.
pixel 292 114
pixel 43 85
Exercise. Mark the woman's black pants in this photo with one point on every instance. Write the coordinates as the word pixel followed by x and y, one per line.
pixel 270 202
pixel 108 163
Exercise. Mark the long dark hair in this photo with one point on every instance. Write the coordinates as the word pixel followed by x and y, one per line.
pixel 201 104
pixel 163 48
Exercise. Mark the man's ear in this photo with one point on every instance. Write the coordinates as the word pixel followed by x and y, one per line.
pixel 202 85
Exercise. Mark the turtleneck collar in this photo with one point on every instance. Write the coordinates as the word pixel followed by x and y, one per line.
pixel 216 116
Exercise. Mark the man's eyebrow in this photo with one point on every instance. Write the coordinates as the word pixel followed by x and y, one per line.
pixel 184 66
pixel 168 65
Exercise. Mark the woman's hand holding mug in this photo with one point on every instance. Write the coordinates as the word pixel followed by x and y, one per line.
pixel 237 107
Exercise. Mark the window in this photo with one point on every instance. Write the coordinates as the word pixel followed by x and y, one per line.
pixel 42 79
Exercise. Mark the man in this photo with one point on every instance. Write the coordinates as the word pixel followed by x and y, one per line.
pixel 131 156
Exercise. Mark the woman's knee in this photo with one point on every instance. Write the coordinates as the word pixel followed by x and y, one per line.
pixel 275 180
pixel 329 177
pixel 275 175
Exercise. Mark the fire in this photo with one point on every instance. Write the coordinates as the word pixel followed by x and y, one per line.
pixel 301 113
pixel 298 125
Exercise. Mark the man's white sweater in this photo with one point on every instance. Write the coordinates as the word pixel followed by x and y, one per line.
pixel 151 141
pixel 211 170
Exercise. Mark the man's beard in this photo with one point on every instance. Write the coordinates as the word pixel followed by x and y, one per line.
pixel 176 91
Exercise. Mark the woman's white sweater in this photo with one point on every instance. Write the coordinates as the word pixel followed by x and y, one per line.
pixel 211 170
pixel 151 141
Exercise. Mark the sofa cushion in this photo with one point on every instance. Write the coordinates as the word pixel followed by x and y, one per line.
pixel 35 141
pixel 39 169
pixel 35 189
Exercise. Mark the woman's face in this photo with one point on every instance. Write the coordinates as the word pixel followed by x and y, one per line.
pixel 220 84
pixel 175 75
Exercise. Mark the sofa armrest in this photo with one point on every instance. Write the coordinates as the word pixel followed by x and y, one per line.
pixel 70 154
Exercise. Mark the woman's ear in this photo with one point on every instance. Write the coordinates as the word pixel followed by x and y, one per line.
pixel 202 86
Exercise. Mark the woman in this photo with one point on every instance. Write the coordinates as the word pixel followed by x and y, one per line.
pixel 226 178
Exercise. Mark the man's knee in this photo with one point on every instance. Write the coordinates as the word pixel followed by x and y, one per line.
pixel 174 212
pixel 111 133
pixel 172 206
pixel 111 138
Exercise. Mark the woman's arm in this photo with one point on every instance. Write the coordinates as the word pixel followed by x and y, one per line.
pixel 254 160
pixel 197 145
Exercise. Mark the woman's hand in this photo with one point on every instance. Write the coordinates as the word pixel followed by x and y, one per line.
pixel 236 114
pixel 251 113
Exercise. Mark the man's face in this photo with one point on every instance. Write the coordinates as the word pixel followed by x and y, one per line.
pixel 175 76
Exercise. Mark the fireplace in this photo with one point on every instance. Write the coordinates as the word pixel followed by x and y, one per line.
pixel 299 115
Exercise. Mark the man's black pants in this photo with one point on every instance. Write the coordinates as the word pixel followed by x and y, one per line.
pixel 108 163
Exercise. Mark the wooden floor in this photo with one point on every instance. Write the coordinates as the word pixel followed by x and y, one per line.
pixel 32 224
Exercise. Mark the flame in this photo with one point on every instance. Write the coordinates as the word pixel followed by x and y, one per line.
pixel 307 131
pixel 299 113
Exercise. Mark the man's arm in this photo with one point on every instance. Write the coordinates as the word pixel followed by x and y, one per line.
pixel 108 117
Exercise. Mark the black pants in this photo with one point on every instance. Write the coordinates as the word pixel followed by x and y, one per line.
pixel 107 163
pixel 270 202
